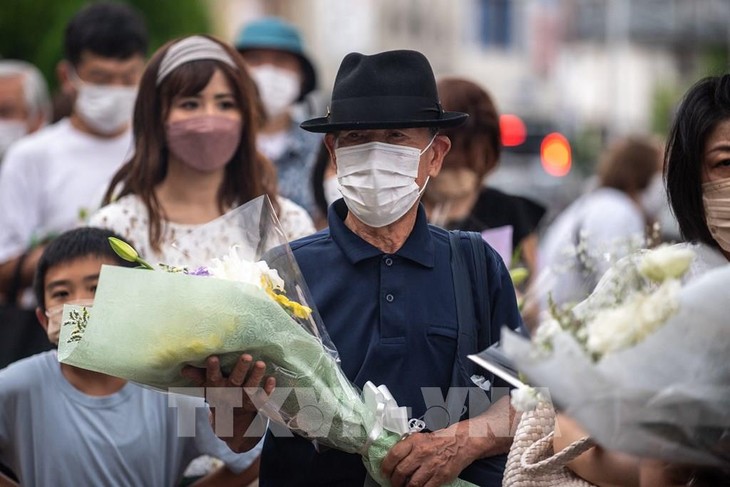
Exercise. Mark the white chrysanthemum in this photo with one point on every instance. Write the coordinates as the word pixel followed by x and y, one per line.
pixel 547 330
pixel 656 308
pixel 666 262
pixel 233 268
pixel 524 398
pixel 617 328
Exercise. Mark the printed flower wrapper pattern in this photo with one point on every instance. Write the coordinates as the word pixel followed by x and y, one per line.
pixel 666 397
pixel 146 325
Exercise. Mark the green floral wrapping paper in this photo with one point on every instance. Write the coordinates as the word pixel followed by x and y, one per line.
pixel 145 326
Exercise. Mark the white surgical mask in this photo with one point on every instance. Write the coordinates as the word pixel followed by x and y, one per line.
pixel 105 108
pixel 378 180
pixel 716 197
pixel 54 315
pixel 10 131
pixel 278 88
pixel 331 190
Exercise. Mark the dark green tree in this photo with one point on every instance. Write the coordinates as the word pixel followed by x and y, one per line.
pixel 32 30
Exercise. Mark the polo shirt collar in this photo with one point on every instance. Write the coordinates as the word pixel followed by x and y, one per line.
pixel 418 247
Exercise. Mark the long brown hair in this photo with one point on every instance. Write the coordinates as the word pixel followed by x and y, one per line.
pixel 247 175
pixel 476 144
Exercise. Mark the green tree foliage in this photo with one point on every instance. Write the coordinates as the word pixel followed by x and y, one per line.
pixel 33 30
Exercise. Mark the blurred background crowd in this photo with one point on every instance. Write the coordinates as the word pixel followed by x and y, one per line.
pixel 590 70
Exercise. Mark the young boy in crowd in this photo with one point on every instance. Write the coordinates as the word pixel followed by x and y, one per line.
pixel 62 425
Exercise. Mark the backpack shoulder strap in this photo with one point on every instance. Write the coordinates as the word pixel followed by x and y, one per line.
pixel 481 288
pixel 470 291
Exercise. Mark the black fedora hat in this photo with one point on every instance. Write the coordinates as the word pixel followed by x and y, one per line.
pixel 393 89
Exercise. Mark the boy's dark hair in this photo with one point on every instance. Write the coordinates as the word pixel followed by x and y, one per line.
pixel 108 29
pixel 74 244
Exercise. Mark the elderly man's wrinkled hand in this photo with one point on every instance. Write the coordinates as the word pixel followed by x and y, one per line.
pixel 426 460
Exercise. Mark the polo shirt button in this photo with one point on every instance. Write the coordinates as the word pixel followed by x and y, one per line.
pixel 388 261
pixel 389 298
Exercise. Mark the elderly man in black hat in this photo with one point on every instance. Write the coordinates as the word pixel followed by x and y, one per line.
pixel 383 282
pixel 403 302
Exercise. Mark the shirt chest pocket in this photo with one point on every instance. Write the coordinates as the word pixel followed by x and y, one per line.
pixel 446 332
pixel 440 341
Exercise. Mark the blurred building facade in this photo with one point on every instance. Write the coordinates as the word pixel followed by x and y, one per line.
pixel 595 62
pixel 592 69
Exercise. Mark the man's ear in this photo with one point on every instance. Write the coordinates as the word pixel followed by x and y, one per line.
pixel 42 318
pixel 441 146
pixel 329 142
pixel 63 73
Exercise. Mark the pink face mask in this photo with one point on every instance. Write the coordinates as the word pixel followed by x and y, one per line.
pixel 204 143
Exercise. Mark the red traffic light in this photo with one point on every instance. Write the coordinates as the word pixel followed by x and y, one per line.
pixel 512 129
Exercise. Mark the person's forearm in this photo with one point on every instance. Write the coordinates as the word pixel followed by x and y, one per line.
pixel 598 466
pixel 488 434
pixel 27 271
pixel 243 438
pixel 529 254
pixel 7 273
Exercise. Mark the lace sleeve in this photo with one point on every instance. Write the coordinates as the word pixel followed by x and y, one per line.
pixel 295 221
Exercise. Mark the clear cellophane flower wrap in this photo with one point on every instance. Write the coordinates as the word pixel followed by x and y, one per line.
pixel 146 325
pixel 654 383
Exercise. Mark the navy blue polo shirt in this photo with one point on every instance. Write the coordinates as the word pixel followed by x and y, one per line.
pixel 393 320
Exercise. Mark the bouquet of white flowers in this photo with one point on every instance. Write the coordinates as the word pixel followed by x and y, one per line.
pixel 146 325
pixel 642 363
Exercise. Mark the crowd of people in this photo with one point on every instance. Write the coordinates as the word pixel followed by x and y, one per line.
pixel 379 197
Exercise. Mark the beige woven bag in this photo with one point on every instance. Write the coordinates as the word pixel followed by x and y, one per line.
pixel 531 461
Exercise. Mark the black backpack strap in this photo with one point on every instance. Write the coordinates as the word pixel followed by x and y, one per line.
pixel 466 279
pixel 470 284
pixel 480 278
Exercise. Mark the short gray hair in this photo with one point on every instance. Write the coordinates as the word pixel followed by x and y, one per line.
pixel 35 88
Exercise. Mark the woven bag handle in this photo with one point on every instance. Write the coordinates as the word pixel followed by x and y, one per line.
pixel 539 457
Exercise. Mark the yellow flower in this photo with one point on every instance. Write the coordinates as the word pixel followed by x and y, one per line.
pixel 296 309
pixel 174 353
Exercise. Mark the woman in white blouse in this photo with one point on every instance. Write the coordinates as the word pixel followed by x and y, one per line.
pixel 195 158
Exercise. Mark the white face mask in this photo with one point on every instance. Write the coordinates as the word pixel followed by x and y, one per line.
pixel 331 190
pixel 278 88
pixel 54 315
pixel 10 131
pixel 378 180
pixel 716 197
pixel 105 108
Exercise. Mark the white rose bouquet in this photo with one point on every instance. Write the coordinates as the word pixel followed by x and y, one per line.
pixel 642 363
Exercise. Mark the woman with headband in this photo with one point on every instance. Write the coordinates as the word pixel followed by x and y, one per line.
pixel 195 158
